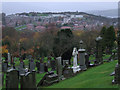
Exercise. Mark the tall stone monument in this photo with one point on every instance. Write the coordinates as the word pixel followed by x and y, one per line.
pixel 81 57
pixel 59 68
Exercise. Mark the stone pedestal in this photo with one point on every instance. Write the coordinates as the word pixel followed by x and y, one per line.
pixel 81 59
pixel 76 69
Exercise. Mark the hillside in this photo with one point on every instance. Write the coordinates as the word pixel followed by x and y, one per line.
pixel 96 77
pixel 107 13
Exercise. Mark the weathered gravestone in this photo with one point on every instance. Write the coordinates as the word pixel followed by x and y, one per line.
pixel 4 67
pixel 28 80
pixel 38 66
pixel 67 71
pixel 82 59
pixel 31 65
pixel 21 68
pixel 87 60
pixel 59 68
pixel 42 68
pixel 48 79
pixel 45 67
pixel 113 73
pixel 116 76
pixel 65 61
pixel 12 79
pixel 53 65
pixel 81 56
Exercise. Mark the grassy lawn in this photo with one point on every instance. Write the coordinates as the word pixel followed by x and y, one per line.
pixel 96 77
pixel 17 28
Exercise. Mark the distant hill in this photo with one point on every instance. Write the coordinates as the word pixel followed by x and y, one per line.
pixel 113 13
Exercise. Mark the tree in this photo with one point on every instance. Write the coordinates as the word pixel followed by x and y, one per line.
pixel 103 34
pixel 109 37
pixel 63 42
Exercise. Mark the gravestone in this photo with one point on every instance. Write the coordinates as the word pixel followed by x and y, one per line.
pixel 12 79
pixel 87 60
pixel 59 68
pixel 116 77
pixel 65 61
pixel 45 67
pixel 42 68
pixel 48 79
pixel 4 67
pixel 67 71
pixel 75 67
pixel 113 73
pixel 81 60
pixel 21 68
pixel 31 65
pixel 53 65
pixel 38 66
pixel 28 80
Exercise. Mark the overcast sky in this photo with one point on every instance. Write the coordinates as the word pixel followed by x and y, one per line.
pixel 56 5
pixel 60 0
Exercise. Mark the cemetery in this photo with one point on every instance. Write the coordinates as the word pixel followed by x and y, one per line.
pixel 81 71
pixel 60 58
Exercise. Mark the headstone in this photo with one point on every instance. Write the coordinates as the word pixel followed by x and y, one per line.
pixel 4 67
pixel 75 67
pixel 65 61
pixel 45 67
pixel 81 60
pixel 112 74
pixel 48 79
pixel 12 79
pixel 53 65
pixel 28 80
pixel 67 71
pixel 59 68
pixel 31 65
pixel 116 76
pixel 86 60
pixel 38 66
pixel 21 68
pixel 42 68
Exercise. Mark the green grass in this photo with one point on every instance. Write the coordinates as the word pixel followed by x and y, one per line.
pixel 17 28
pixel 96 77
pixel 106 56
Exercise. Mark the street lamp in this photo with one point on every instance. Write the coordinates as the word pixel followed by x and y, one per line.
pixel 98 52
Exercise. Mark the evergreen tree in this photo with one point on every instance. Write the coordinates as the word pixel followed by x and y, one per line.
pixel 108 35
pixel 102 34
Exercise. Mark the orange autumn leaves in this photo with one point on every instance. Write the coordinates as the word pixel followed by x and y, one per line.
pixel 3 49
